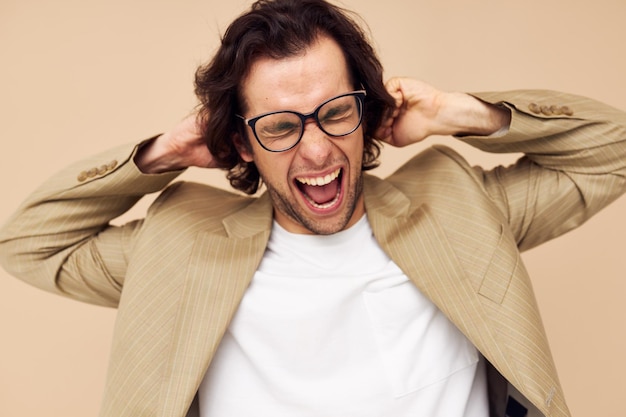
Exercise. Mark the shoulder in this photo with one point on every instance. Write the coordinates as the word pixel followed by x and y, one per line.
pixel 439 170
pixel 192 193
pixel 185 204
pixel 441 179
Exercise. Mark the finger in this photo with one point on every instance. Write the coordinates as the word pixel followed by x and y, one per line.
pixel 385 128
pixel 383 134
pixel 394 88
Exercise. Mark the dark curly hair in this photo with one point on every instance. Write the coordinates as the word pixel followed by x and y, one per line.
pixel 280 29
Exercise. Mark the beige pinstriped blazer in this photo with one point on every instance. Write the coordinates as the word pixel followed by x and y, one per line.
pixel 178 276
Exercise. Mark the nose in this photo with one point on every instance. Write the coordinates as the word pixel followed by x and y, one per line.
pixel 315 146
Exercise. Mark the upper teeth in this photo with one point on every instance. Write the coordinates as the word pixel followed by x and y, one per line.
pixel 319 181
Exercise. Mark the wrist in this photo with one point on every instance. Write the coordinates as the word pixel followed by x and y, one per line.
pixel 153 158
pixel 467 115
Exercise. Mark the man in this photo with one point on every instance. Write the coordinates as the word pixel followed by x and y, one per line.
pixel 334 293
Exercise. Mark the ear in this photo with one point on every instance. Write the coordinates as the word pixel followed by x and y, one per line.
pixel 243 147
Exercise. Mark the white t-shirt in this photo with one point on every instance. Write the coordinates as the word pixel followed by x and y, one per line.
pixel 330 326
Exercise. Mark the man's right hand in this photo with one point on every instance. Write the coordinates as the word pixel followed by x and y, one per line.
pixel 422 111
pixel 176 149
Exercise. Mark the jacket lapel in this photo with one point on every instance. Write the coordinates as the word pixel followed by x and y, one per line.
pixel 413 238
pixel 219 271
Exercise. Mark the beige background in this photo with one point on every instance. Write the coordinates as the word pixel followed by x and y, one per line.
pixel 78 76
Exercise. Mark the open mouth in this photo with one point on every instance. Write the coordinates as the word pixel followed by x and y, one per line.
pixel 321 192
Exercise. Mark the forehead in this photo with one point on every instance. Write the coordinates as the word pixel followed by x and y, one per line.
pixel 298 82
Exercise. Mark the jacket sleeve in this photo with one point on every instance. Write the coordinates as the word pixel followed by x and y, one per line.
pixel 60 239
pixel 574 162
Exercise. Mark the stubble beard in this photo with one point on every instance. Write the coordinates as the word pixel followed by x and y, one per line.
pixel 282 203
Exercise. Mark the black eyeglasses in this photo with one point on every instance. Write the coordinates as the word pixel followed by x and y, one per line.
pixel 280 131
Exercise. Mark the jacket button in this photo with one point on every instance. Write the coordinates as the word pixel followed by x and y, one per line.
pixel 534 107
pixel 556 110
pixel 82 176
pixel 567 111
pixel 111 165
pixel 546 110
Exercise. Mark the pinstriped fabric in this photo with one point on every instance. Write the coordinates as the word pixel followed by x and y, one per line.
pixel 55 221
pixel 179 275
pixel 488 293
pixel 209 305
pixel 178 298
pixel 586 151
pixel 483 289
pixel 419 246
pixel 427 259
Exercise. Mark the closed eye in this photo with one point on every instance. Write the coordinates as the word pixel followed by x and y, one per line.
pixel 337 113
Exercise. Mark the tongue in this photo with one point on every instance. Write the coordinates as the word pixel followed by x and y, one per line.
pixel 321 194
